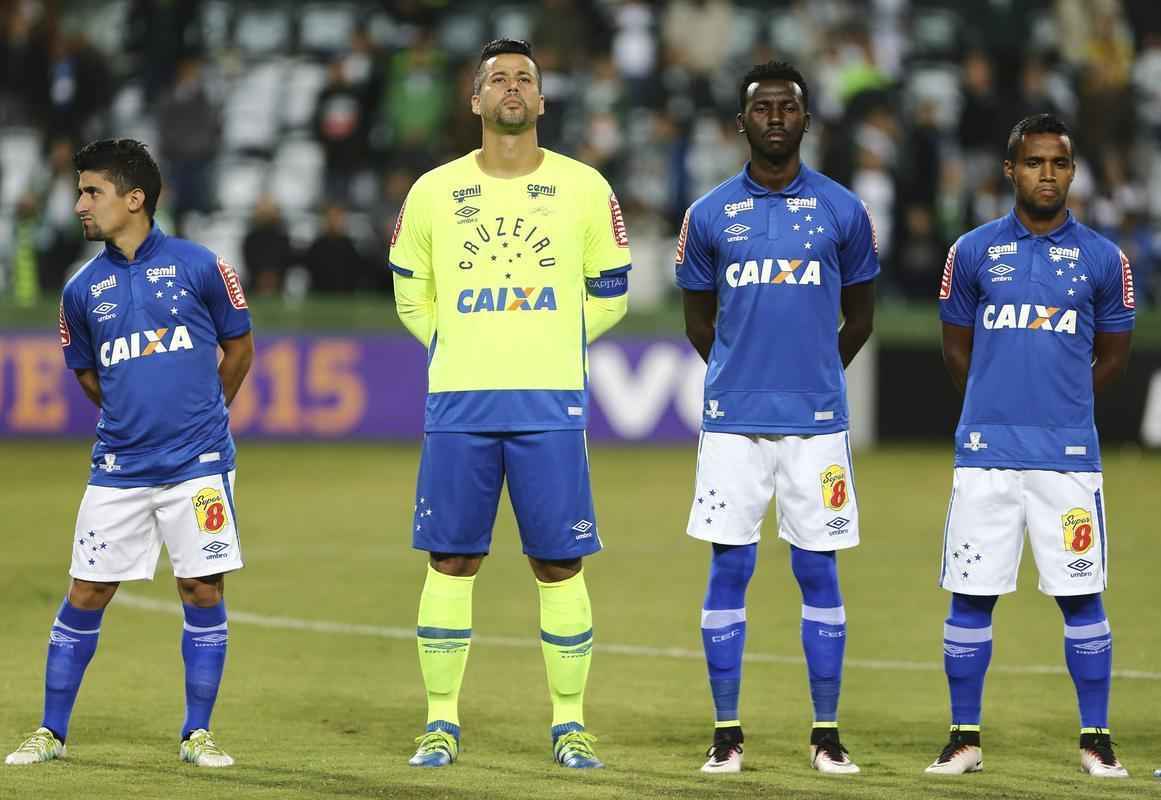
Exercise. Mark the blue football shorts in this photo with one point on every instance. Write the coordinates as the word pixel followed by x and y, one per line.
pixel 458 492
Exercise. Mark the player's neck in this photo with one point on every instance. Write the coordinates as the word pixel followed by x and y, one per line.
pixel 507 156
pixel 774 175
pixel 129 240
pixel 1038 226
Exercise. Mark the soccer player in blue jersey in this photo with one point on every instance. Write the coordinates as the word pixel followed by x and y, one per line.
pixel 1037 315
pixel 767 261
pixel 140 326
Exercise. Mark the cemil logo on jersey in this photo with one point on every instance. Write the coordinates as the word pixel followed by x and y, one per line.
pixel 154 274
pixel 1078 533
pixel 536 190
pixel 124 348
pixel 506 298
pixel 834 487
pixel 1029 316
pixel 1057 253
pixel 210 509
pixel 997 250
pixel 103 285
pixel 751 273
pixel 732 209
pixel 462 194
pixel 795 203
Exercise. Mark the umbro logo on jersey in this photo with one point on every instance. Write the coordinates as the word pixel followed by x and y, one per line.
pixel 1003 272
pixel 460 195
pixel 103 286
pixel 997 250
pixel 1057 253
pixel 795 203
pixel 732 209
pixel 465 213
pixel 737 232
pixel 1030 317
pixel 104 311
pixel 124 348
pixel 536 190
pixel 507 298
pixel 751 272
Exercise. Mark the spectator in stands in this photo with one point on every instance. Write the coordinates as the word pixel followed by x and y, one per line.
pixel 919 254
pixel 59 239
pixel 190 128
pixel 79 86
pixel 266 249
pixel 340 125
pixel 332 260
pixel 416 100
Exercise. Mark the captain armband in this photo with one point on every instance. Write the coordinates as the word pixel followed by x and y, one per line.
pixel 608 285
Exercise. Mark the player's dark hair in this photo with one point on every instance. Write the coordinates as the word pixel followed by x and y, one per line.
pixel 1037 123
pixel 772 71
pixel 126 163
pixel 498 47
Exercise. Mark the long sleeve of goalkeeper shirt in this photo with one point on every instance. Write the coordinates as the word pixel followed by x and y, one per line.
pixel 415 304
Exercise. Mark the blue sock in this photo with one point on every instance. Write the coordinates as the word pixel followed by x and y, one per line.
pixel 203 648
pixel 824 628
pixel 723 625
pixel 1088 651
pixel 967 651
pixel 71 645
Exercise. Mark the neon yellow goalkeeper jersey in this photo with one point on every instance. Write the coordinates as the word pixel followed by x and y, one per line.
pixel 506 280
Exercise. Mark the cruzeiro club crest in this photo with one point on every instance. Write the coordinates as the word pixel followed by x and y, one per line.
pixel 1078 530
pixel 834 487
pixel 210 509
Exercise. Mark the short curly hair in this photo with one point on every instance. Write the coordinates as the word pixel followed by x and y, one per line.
pixel 772 71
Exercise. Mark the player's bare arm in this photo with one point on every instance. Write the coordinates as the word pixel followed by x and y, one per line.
pixel 858 306
pixel 1110 351
pixel 701 310
pixel 88 380
pixel 957 353
pixel 237 356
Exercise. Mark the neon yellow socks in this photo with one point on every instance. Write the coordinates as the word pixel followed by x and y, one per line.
pixel 566 638
pixel 444 635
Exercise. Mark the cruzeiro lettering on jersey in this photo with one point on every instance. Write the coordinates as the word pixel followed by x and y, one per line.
pixel 506 298
pixel 507 241
pixel 787 272
pixel 1030 316
pixel 124 348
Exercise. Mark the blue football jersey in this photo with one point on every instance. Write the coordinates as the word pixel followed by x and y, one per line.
pixel 1034 304
pixel 150 328
pixel 778 262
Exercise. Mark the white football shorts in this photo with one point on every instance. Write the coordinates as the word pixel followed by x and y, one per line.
pixel 120 531
pixel 989 511
pixel 811 477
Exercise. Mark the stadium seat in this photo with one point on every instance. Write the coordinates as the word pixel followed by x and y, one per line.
pixel 19 157
pixel 326 28
pixel 296 180
pixel 240 182
pixel 304 81
pixel 261 31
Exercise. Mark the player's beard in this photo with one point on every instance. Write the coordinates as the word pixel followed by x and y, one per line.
pixel 511 120
pixel 774 151
pixel 1036 208
pixel 92 232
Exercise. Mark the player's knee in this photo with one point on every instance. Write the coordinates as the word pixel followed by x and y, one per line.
pixel 457 565
pixel 817 575
pixel 733 565
pixel 90 595
pixel 971 611
pixel 202 592
pixel 555 571
pixel 1084 609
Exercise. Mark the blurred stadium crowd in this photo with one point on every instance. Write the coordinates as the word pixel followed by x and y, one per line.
pixel 290 132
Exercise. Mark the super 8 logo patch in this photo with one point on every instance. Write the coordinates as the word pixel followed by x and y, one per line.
pixel 620 232
pixel 1127 295
pixel 834 487
pixel 948 269
pixel 233 285
pixel 1078 532
pixel 210 510
pixel 681 238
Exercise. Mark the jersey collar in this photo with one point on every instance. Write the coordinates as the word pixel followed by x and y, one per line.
pixel 1055 236
pixel 758 190
pixel 148 248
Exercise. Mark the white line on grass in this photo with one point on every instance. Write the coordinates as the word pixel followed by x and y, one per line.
pixel 385 632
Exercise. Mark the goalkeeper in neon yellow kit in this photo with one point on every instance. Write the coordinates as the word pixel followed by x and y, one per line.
pixel 507 262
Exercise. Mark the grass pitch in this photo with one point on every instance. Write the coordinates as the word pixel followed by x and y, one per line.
pixel 322 694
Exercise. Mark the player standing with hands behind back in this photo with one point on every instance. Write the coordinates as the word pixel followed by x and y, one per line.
pixel 1038 314
pixel 508 261
pixel 766 261
pixel 140 326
